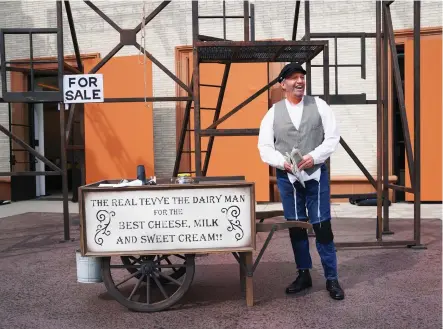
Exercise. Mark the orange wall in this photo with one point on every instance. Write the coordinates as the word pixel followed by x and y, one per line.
pixel 237 155
pixel 119 136
pixel 233 155
pixel 430 114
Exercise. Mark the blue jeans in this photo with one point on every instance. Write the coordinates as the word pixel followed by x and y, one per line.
pixel 315 199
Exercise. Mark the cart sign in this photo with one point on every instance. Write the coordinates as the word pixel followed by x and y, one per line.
pixel 83 88
pixel 157 219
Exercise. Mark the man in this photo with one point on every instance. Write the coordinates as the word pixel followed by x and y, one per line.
pixel 306 123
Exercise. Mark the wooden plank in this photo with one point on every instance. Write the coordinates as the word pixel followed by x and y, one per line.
pixel 267 227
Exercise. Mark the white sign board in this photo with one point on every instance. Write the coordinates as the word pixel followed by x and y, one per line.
pixel 83 88
pixel 188 219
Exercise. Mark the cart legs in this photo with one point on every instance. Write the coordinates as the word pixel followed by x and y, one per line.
pixel 249 282
pixel 246 277
pixel 242 272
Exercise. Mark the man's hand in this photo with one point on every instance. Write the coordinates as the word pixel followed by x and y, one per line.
pixel 307 162
pixel 288 167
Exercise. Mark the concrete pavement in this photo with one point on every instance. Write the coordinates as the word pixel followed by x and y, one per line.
pixel 385 288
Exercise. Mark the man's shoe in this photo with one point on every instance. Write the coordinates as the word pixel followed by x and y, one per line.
pixel 303 281
pixel 335 291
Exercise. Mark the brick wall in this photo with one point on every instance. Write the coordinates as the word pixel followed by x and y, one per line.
pixel 172 27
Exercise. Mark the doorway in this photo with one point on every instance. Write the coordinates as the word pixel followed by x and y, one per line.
pixel 398 140
pixel 47 128
pixel 38 125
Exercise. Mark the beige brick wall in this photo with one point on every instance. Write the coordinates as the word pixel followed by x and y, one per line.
pixel 172 27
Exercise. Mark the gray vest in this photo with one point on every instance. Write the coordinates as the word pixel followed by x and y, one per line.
pixel 309 135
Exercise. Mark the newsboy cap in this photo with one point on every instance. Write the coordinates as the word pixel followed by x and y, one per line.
pixel 289 69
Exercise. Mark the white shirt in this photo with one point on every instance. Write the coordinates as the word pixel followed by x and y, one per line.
pixel 320 154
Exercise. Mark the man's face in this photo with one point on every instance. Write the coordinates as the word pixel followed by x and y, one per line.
pixel 294 84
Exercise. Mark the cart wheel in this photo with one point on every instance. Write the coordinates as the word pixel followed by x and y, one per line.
pixel 142 295
pixel 175 273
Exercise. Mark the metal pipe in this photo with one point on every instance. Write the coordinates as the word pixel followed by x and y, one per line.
pixel 216 116
pixel 243 104
pixel 3 64
pixel 69 126
pixel 60 54
pixel 30 30
pixel 31 59
pixel 10 139
pixel 148 99
pixel 399 243
pixel 30 173
pixel 221 17
pixel 326 96
pixel 230 132
pixel 224 19
pixel 196 90
pixel 105 59
pixel 246 20
pixel 104 16
pixel 28 148
pixel 163 68
pixel 296 15
pixel 276 43
pixel 417 122
pixel 400 94
pixel 331 35
pixel 401 188
pixel 152 15
pixel 74 36
pixel 308 38
pixel 385 126
pixel 252 22
pixel 336 65
pixel 363 56
pixel 379 122
pixel 358 163
pixel 183 131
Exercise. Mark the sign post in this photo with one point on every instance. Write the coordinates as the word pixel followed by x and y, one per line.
pixel 83 88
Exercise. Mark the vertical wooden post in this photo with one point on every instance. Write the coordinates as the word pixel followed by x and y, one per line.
pixel 249 280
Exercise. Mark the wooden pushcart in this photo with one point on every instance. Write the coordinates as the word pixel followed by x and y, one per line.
pixel 146 237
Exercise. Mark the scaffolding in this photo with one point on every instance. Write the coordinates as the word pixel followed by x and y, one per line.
pixel 209 49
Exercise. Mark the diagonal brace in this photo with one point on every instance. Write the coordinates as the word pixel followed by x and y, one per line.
pixel 358 163
pixel 216 116
pixel 247 269
pixel 74 36
pixel 243 104
pixel 69 124
pixel 262 250
pixel 242 264
pixel 163 68
pixel 105 59
pixel 152 15
pixel 183 133
pixel 400 94
pixel 29 148
pixel 104 16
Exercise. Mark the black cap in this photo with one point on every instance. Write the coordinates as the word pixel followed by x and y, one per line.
pixel 289 69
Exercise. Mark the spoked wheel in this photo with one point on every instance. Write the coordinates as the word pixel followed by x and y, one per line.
pixel 175 273
pixel 137 293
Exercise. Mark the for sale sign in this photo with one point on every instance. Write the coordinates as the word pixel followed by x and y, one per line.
pixel 83 88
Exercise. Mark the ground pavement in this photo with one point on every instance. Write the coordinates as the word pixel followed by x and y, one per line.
pixel 385 288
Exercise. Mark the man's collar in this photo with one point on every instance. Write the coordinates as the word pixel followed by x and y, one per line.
pixel 299 103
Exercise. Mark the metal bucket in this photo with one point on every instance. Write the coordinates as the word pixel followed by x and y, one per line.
pixel 88 268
